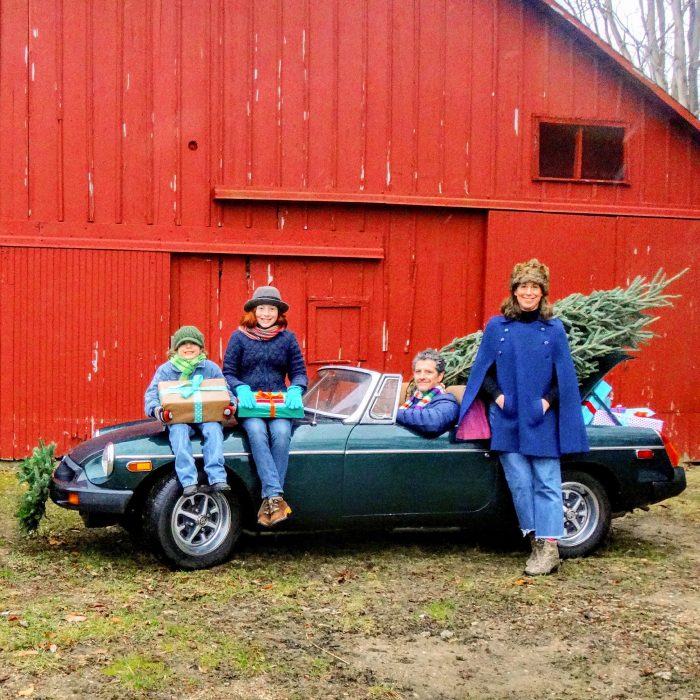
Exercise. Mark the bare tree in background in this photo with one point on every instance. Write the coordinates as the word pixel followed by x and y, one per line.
pixel 662 39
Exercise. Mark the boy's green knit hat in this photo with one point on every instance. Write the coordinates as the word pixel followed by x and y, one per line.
pixel 186 334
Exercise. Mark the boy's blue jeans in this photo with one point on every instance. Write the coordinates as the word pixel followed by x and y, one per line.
pixel 535 484
pixel 269 442
pixel 212 450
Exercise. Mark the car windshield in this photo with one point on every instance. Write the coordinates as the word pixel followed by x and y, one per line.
pixel 336 392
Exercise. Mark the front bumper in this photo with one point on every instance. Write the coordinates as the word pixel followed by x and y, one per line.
pixel 661 490
pixel 69 479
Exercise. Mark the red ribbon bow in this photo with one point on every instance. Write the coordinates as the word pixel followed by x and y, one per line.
pixel 271 397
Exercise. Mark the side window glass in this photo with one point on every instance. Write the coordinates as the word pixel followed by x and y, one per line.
pixel 383 406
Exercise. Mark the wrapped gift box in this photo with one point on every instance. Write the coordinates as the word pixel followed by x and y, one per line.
pixel 639 418
pixel 597 399
pixel 270 404
pixel 602 417
pixel 196 401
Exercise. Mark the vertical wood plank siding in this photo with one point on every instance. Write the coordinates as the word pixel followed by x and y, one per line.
pixel 118 118
pixel 81 332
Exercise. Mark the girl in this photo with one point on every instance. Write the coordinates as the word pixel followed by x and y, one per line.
pixel 259 356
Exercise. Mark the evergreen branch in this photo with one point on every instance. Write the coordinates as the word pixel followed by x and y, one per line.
pixel 35 471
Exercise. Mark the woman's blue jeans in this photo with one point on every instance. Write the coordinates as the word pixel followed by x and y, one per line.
pixel 535 484
pixel 212 450
pixel 269 442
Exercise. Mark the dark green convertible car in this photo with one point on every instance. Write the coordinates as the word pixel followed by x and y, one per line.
pixel 351 465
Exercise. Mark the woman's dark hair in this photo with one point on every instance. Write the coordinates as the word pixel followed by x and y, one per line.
pixel 511 309
pixel 250 321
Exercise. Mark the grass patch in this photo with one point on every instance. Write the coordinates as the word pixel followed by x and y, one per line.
pixel 442 611
pixel 138 672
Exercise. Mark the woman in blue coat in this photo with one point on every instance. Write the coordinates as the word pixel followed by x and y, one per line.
pixel 430 409
pixel 260 356
pixel 524 369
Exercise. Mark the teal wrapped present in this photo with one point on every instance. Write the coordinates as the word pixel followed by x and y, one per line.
pixel 270 404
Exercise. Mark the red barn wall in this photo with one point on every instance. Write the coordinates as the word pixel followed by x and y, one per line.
pixel 153 158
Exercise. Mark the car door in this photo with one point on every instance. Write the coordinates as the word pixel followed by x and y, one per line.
pixel 316 462
pixel 393 471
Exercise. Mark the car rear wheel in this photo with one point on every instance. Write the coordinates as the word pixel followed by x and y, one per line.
pixel 192 532
pixel 587 514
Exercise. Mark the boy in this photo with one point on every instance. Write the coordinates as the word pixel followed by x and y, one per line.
pixel 187 358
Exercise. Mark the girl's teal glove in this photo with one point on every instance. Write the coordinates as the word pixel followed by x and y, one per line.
pixel 293 400
pixel 246 398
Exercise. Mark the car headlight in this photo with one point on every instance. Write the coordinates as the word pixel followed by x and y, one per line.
pixel 108 459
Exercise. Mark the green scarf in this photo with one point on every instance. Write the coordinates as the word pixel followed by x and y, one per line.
pixel 186 367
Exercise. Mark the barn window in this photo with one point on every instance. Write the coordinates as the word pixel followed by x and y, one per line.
pixel 568 150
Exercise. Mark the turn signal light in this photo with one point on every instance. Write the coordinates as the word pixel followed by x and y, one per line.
pixel 74 499
pixel 139 466
pixel 671 450
pixel 644 454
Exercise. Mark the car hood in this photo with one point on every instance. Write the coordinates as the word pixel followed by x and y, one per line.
pixel 132 431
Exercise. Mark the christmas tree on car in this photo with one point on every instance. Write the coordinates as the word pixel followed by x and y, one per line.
pixel 599 326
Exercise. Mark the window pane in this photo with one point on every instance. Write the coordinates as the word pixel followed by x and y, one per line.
pixel 602 155
pixel 557 150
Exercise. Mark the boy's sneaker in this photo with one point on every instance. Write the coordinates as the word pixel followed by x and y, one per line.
pixel 190 490
pixel 264 513
pixel 279 509
pixel 220 486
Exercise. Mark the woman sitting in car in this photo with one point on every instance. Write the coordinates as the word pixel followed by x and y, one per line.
pixel 429 409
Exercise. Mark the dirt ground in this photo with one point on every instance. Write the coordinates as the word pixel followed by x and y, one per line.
pixel 439 615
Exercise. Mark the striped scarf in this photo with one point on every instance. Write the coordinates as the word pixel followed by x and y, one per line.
pixel 257 333
pixel 420 400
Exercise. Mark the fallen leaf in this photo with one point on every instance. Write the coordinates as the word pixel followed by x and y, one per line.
pixel 74 617
pixel 53 649
pixel 26 692
pixel 55 542
pixel 523 582
pixel 27 652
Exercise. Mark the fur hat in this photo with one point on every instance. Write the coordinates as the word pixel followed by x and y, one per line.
pixel 530 271
pixel 266 295
pixel 186 334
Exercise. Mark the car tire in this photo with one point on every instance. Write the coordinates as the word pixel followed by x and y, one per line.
pixel 192 532
pixel 587 514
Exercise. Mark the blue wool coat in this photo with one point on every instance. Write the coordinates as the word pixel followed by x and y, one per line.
pixel 434 418
pixel 528 358
pixel 264 364
pixel 167 372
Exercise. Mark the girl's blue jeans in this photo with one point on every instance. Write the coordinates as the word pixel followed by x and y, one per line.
pixel 212 450
pixel 269 442
pixel 535 484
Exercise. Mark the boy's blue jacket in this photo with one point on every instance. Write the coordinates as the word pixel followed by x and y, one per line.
pixel 167 372
pixel 527 357
pixel 434 418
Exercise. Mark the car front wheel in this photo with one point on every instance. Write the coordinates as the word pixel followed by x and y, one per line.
pixel 587 514
pixel 191 532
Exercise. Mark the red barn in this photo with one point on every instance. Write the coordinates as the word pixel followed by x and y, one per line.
pixel 384 163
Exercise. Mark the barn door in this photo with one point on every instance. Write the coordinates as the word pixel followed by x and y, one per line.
pixel 335 305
